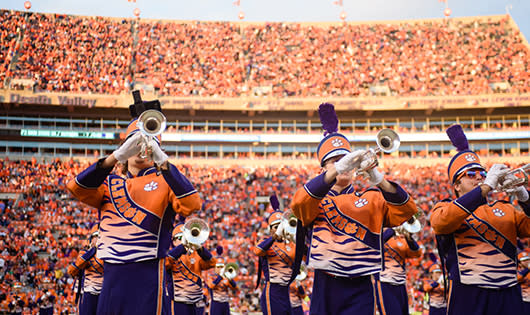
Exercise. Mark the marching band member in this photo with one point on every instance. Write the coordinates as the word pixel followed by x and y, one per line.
pixel 345 225
pixel 390 283
pixel 276 259
pixel 88 269
pixel 524 279
pixel 137 214
pixel 476 239
pixel 220 286
pixel 296 297
pixel 435 289
pixel 186 261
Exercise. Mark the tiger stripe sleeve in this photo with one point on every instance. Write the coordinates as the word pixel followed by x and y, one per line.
pixel 446 216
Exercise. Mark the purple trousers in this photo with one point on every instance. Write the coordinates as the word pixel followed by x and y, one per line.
pixel 275 300
pixel 471 300
pixel 88 304
pixel 391 299
pixel 340 295
pixel 134 288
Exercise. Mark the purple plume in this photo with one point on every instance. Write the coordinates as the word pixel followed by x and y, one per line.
pixel 219 250
pixel 457 137
pixel 328 118
pixel 275 204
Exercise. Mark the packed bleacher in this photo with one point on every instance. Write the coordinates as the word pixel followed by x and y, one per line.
pixel 43 228
pixel 111 56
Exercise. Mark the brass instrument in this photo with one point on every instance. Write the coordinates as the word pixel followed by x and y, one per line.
pixel 151 124
pixel 387 141
pixel 231 271
pixel 411 226
pixel 289 222
pixel 194 233
pixel 514 178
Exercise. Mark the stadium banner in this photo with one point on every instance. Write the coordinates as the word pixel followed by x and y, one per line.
pixel 245 103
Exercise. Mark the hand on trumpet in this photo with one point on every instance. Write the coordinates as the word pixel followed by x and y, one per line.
pixel 369 166
pixel 519 192
pixel 349 162
pixel 190 247
pixel 129 148
pixel 158 156
pixel 495 174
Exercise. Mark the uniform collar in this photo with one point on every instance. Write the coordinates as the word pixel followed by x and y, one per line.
pixel 347 190
pixel 145 171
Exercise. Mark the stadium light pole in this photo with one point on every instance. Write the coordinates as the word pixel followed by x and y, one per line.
pixel 508 8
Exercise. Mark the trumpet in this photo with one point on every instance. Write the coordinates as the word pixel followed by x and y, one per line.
pixel 231 270
pixel 151 124
pixel 387 141
pixel 289 222
pixel 516 177
pixel 411 226
pixel 194 233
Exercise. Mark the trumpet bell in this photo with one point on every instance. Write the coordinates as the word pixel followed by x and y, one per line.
pixel 387 140
pixel 196 231
pixel 231 270
pixel 152 123
pixel 290 222
pixel 413 227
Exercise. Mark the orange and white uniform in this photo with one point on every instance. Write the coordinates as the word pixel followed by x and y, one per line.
pixel 296 294
pixel 478 239
pixel 279 260
pixel 346 240
pixel 436 293
pixel 136 212
pixel 92 267
pixel 221 287
pixel 186 271
pixel 396 252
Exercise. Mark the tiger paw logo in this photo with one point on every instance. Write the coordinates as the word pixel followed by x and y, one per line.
pixel 361 203
pixel 337 142
pixel 470 157
pixel 151 186
pixel 498 212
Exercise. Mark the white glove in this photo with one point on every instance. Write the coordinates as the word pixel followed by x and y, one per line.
pixel 189 246
pixel 129 148
pixel 374 176
pixel 222 272
pixel 495 173
pixel 520 193
pixel 159 156
pixel 279 230
pixel 349 162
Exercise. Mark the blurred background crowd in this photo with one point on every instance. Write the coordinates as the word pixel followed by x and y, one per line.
pixel 54 52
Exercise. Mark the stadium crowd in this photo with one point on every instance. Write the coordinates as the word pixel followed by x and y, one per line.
pixel 42 228
pixel 106 55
